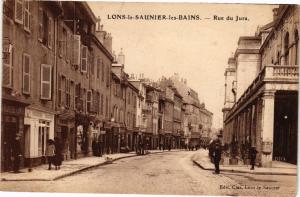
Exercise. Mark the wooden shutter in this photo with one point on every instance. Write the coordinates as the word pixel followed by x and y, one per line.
pixel 41 25
pixel 76 50
pixel 27 15
pixel 7 72
pixel 46 75
pixel 19 8
pixel 84 59
pixel 26 74
pixel 89 100
pixel 50 32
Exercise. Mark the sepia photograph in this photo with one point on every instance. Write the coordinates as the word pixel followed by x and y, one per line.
pixel 149 98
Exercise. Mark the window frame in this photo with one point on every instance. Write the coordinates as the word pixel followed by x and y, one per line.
pixel 24 74
pixel 46 82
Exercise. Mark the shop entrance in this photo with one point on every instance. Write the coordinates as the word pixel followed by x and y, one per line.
pixel 9 133
pixel 285 127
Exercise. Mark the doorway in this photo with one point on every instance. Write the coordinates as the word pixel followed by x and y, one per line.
pixel 285 127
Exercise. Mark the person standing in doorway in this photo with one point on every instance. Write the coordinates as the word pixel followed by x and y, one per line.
pixel 50 153
pixel 16 153
pixel 252 154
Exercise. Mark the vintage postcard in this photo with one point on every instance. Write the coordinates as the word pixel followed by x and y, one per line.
pixel 149 98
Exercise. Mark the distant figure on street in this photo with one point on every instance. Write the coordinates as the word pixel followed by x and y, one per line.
pixel 50 153
pixel 94 147
pixel 16 153
pixel 58 153
pixel 252 153
pixel 217 155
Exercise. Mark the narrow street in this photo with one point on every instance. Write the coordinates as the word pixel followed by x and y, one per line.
pixel 162 173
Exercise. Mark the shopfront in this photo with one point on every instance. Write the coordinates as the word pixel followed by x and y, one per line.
pixel 38 129
pixel 12 123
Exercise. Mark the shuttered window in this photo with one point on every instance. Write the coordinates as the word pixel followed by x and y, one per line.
pixel 76 50
pixel 26 74
pixel 46 75
pixel 7 72
pixel 27 15
pixel 41 25
pixel 89 100
pixel 50 32
pixel 84 59
pixel 19 8
pixel 67 91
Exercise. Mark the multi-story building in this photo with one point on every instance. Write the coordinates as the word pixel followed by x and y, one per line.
pixel 28 106
pixel 177 120
pixel 64 63
pixel 83 78
pixel 266 70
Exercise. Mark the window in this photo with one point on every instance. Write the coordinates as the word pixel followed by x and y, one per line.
pixel 84 59
pixel 7 72
pixel 44 127
pixel 76 50
pixel 19 11
pixel 46 75
pixel 101 108
pixel 98 67
pixel 286 48
pixel 27 16
pixel 64 42
pixel 91 58
pixel 72 94
pixel 78 101
pixel 41 24
pixel 46 32
pixel 89 100
pixel 107 76
pixel 97 103
pixel 296 47
pixel 26 74
pixel 102 71
pixel 67 91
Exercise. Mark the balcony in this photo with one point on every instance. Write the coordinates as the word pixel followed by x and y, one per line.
pixel 273 77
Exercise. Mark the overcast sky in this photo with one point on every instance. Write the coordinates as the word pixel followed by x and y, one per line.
pixel 196 49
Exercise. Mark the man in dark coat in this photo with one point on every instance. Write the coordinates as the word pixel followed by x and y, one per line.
pixel 16 153
pixel 217 155
pixel 58 153
pixel 252 154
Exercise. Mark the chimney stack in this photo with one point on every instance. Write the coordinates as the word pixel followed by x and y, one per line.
pixel 121 57
pixel 275 13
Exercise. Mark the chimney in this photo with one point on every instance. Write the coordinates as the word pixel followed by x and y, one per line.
pixel 275 13
pixel 100 34
pixel 121 57
pixel 114 56
pixel 132 76
pixel 108 42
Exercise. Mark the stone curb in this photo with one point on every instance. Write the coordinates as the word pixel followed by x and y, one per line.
pixel 84 168
pixel 241 171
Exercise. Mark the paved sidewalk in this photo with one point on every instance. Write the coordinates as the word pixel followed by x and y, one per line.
pixel 41 173
pixel 279 168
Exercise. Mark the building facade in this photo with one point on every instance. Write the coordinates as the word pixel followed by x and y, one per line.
pixel 265 114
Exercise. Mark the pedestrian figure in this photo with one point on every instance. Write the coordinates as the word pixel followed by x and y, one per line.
pixel 100 146
pixel 50 153
pixel 58 153
pixel 95 147
pixel 16 153
pixel 252 154
pixel 217 155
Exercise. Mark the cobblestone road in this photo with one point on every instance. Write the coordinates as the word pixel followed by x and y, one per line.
pixel 164 173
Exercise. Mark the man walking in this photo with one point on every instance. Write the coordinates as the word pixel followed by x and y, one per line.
pixel 252 154
pixel 217 155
